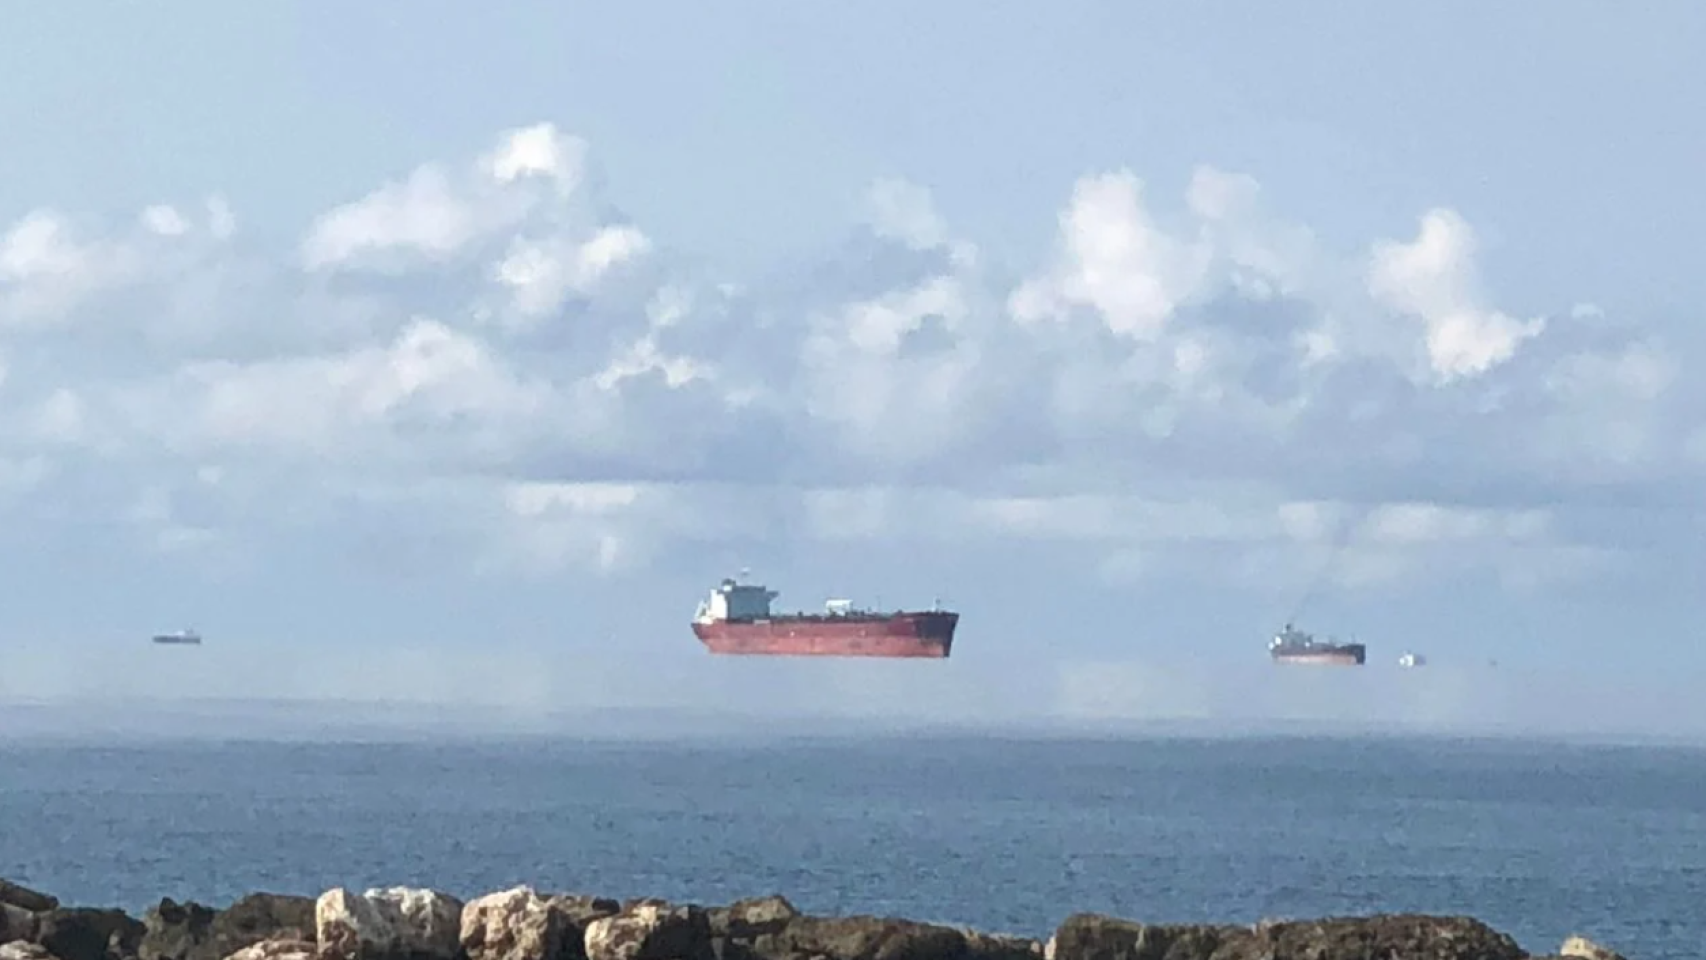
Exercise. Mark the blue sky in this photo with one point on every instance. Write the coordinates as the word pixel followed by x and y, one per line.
pixel 414 351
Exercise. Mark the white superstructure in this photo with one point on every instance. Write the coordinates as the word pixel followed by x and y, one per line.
pixel 731 600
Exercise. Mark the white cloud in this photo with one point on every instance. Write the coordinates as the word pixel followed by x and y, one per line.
pixel 433 215
pixel 1434 279
pixel 477 349
pixel 1115 260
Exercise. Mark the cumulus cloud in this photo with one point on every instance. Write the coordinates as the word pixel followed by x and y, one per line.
pixel 1433 279
pixel 484 349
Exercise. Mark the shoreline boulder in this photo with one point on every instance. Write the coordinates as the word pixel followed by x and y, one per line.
pixel 24 898
pixel 1581 948
pixel 191 931
pixel 277 950
pixel 392 923
pixel 519 924
pixel 651 929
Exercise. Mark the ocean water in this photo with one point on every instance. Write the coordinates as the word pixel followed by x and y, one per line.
pixel 1538 839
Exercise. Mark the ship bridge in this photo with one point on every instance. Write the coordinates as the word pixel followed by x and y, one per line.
pixel 731 600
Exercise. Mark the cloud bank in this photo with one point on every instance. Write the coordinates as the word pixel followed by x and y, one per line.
pixel 485 357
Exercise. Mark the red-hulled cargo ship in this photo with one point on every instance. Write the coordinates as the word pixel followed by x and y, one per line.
pixel 736 619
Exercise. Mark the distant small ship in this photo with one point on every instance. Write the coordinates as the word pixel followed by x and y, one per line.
pixel 1292 645
pixel 1412 660
pixel 179 638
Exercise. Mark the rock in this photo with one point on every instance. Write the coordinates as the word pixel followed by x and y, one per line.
pixel 396 923
pixel 1411 936
pixel 277 950
pixel 193 932
pixel 519 924
pixel 514 924
pixel 737 927
pixel 16 923
pixel 82 933
pixel 993 946
pixel 172 931
pixel 581 911
pixel 1092 936
pixel 651 930
pixel 861 938
pixel 22 896
pixel 752 917
pixel 1585 949
pixel 22 950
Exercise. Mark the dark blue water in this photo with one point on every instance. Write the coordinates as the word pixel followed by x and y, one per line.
pixel 1540 840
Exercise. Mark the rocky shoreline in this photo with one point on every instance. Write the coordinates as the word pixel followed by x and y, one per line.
pixel 407 923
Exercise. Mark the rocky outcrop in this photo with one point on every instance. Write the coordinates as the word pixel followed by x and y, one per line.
pixel 84 933
pixel 407 923
pixel 396 923
pixel 651 930
pixel 1092 936
pixel 18 924
pixel 1581 948
pixel 26 899
pixel 24 950
pixel 278 950
pixel 1095 937
pixel 190 931
pixel 519 924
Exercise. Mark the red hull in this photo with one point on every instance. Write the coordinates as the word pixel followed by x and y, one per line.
pixel 1322 659
pixel 927 635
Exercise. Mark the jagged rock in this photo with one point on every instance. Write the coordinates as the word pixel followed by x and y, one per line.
pixel 191 931
pixel 82 933
pixel 519 924
pixel 1411 937
pixel 736 927
pixel 396 923
pixel 752 917
pixel 993 946
pixel 21 896
pixel 23 950
pixel 1093 936
pixel 1581 948
pixel 277 950
pixel 651 929
pixel 861 938
pixel 172 930
pixel 16 923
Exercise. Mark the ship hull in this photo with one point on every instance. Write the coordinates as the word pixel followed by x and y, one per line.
pixel 926 635
pixel 1348 656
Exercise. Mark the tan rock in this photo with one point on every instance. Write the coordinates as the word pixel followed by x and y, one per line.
pixel 277 950
pixel 23 950
pixel 651 930
pixel 1581 948
pixel 394 923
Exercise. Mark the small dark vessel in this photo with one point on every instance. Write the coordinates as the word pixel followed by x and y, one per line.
pixel 179 638
pixel 1292 645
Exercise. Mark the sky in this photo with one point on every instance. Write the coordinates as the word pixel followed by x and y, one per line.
pixel 422 354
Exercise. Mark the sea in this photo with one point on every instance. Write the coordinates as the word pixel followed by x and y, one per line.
pixel 1000 831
